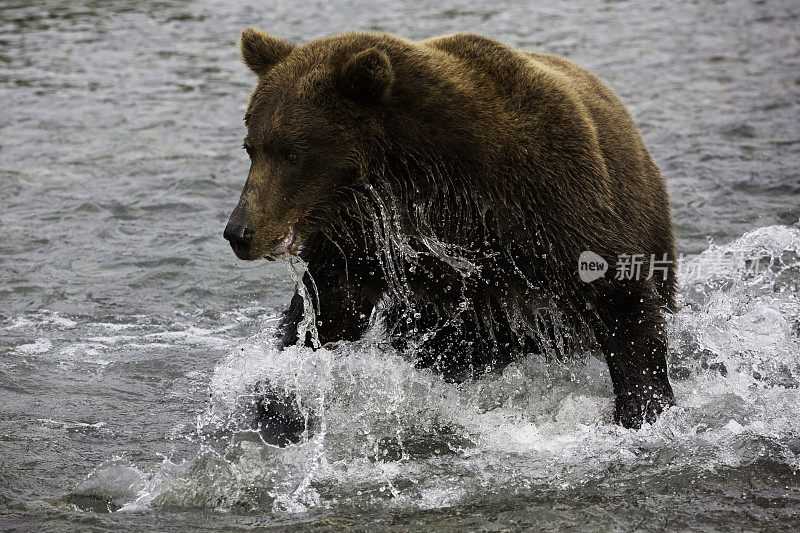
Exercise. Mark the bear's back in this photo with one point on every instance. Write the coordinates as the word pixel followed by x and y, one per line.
pixel 527 78
pixel 565 107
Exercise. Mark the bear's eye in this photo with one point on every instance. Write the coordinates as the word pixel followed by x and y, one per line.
pixel 291 157
pixel 248 149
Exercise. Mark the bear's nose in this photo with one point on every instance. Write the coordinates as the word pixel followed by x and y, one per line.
pixel 240 237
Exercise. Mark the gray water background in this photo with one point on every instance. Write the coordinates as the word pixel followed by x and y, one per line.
pixel 120 160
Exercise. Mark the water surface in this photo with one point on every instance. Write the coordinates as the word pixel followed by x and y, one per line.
pixel 130 335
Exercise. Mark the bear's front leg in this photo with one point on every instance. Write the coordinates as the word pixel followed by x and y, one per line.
pixel 341 313
pixel 341 309
pixel 632 334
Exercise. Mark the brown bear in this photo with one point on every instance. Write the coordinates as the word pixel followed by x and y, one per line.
pixel 449 187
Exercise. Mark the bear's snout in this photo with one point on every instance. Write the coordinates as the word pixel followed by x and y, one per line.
pixel 240 236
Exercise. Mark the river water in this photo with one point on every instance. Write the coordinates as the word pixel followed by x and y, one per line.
pixel 130 336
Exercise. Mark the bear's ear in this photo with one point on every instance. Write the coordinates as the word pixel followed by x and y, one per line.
pixel 367 76
pixel 261 52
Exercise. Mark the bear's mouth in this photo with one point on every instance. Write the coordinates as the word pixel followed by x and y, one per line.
pixel 285 245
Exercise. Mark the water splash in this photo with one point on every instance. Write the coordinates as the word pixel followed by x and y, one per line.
pixel 307 327
pixel 396 437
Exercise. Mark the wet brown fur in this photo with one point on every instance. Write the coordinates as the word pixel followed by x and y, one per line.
pixel 519 160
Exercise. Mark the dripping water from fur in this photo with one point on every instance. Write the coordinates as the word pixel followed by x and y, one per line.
pixel 412 237
pixel 307 327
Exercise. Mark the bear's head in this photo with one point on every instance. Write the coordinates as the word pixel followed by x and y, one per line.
pixel 307 122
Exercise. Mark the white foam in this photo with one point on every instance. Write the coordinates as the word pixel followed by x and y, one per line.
pixel 38 347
